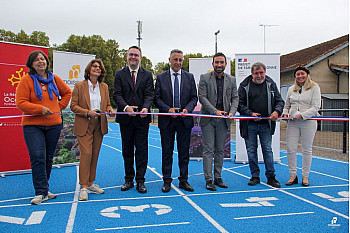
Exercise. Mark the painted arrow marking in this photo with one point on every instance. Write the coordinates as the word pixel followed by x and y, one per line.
pixel 35 218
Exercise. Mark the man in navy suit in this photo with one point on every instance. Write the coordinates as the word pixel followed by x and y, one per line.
pixel 134 92
pixel 175 92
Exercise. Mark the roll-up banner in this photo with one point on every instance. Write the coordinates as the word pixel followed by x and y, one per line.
pixel 13 151
pixel 243 63
pixel 70 67
pixel 198 66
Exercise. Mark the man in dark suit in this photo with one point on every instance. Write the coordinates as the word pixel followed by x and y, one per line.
pixel 175 92
pixel 134 92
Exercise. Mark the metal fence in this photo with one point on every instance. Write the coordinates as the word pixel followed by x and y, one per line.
pixel 332 137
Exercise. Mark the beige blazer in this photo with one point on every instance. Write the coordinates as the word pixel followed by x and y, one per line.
pixel 80 105
pixel 307 103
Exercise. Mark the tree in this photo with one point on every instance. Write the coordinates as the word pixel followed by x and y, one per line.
pixel 161 67
pixel 36 38
pixel 233 65
pixel 146 63
pixel 108 51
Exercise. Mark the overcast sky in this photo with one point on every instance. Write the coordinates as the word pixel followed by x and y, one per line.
pixel 188 25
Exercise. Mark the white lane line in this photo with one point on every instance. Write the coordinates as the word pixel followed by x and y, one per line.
pixel 13 220
pixel 295 196
pixel 133 227
pixel 36 217
pixel 168 196
pixel 320 173
pixel 112 147
pixel 73 211
pixel 333 160
pixel 273 215
pixel 200 210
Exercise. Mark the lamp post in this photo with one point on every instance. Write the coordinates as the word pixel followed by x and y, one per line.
pixel 216 41
pixel 266 25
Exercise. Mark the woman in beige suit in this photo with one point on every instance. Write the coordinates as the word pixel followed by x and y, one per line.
pixel 89 98
pixel 302 102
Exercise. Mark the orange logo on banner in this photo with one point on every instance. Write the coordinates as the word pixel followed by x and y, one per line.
pixel 15 80
pixel 74 72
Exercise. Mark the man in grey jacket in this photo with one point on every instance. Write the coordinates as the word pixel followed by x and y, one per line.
pixel 217 93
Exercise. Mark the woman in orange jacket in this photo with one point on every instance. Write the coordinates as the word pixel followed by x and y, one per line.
pixel 38 94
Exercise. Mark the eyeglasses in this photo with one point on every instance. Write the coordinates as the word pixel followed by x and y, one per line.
pixel 133 55
pixel 96 66
pixel 177 59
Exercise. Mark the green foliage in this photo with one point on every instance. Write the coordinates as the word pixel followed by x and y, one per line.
pixel 68 144
pixel 146 63
pixel 36 38
pixel 161 67
pixel 233 65
pixel 108 51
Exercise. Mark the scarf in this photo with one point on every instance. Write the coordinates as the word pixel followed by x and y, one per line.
pixel 51 86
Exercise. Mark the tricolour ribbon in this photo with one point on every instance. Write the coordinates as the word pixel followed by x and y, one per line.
pixel 235 117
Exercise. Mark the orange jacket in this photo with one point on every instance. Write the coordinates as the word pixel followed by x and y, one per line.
pixel 29 103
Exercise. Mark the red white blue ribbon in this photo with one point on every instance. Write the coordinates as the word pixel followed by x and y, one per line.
pixel 234 117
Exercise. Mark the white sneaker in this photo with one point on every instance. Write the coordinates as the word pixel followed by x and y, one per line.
pixel 83 196
pixel 38 199
pixel 51 195
pixel 94 188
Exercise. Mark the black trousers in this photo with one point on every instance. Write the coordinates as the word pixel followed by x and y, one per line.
pixel 135 148
pixel 183 138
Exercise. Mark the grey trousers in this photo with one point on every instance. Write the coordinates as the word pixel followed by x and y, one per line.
pixel 305 129
pixel 213 135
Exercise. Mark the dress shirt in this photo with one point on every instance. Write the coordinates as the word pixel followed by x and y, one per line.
pixel 95 96
pixel 172 82
pixel 136 71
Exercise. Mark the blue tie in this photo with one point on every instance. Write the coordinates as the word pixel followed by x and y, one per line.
pixel 176 92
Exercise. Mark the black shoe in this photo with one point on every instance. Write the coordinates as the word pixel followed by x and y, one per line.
pixel 166 187
pixel 304 183
pixel 210 186
pixel 127 185
pixel 273 182
pixel 220 183
pixel 254 181
pixel 295 181
pixel 141 188
pixel 186 186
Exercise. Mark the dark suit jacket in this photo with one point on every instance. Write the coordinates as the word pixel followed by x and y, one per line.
pixel 164 97
pixel 80 105
pixel 125 94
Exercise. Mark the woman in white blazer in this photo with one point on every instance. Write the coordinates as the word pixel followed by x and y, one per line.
pixel 302 102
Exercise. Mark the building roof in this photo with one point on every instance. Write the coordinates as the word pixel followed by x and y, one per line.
pixel 309 56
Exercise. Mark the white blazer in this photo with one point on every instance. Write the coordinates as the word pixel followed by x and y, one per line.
pixel 307 103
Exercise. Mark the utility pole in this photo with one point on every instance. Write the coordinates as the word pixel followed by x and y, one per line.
pixel 266 25
pixel 139 31
pixel 216 41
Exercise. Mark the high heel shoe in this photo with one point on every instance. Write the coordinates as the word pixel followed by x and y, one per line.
pixel 304 183
pixel 295 181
